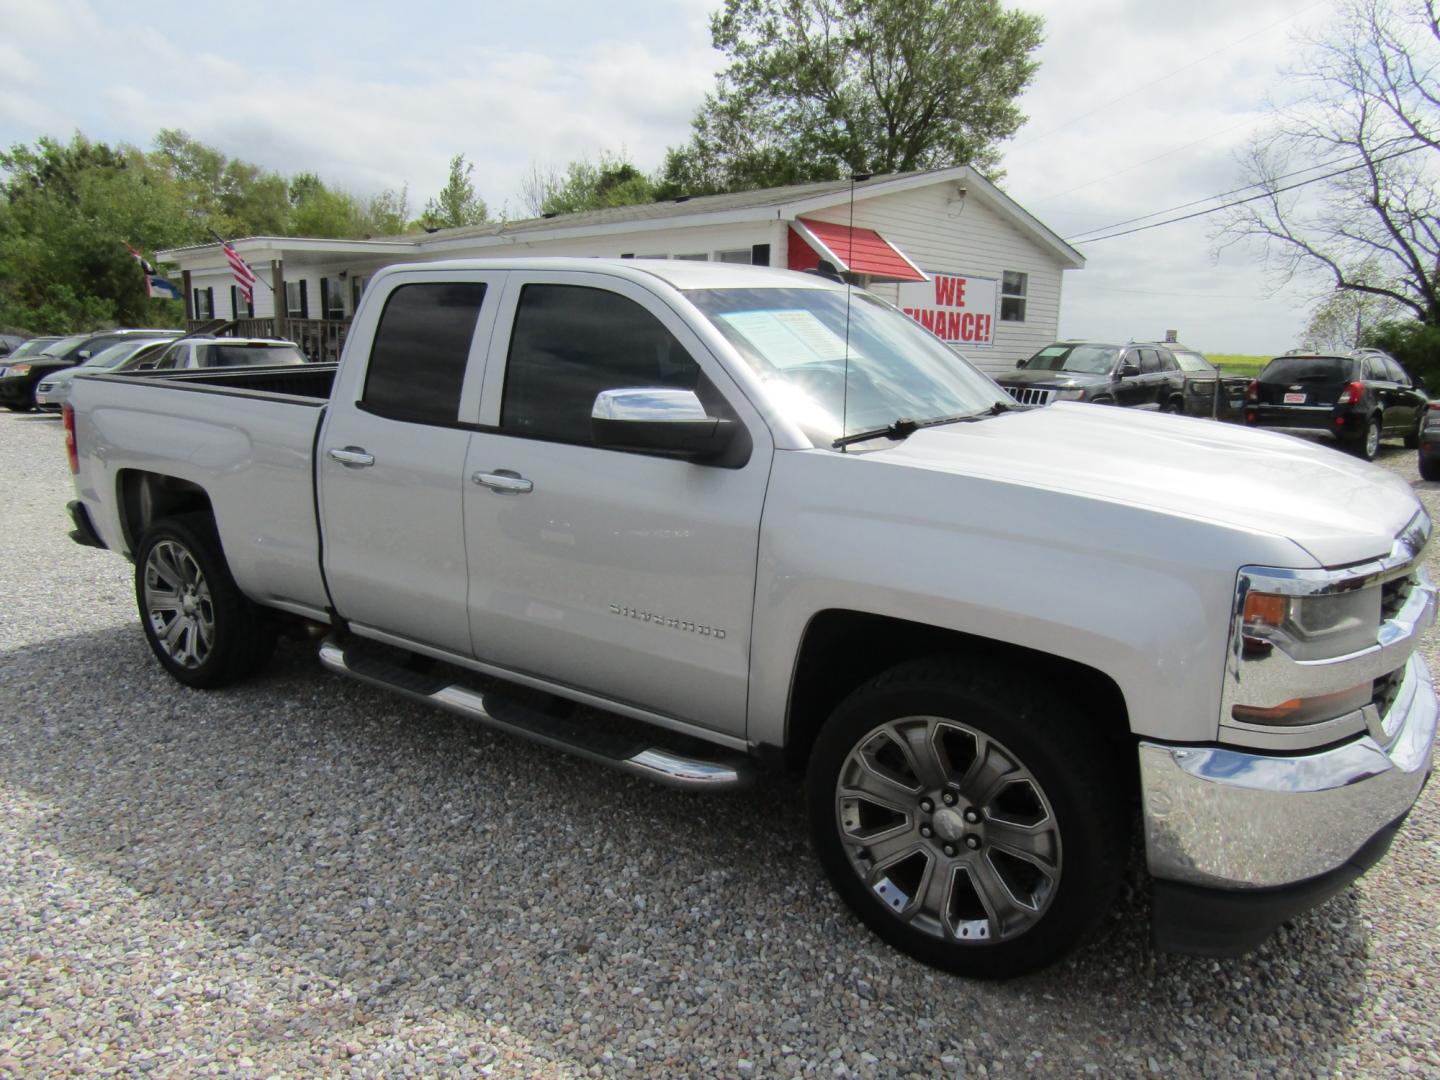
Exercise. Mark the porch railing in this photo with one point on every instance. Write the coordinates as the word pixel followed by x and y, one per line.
pixel 319 339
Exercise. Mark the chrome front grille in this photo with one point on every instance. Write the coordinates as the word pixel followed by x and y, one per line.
pixel 1029 395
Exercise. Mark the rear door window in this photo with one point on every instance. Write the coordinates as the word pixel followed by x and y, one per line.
pixel 422 345
pixel 1149 361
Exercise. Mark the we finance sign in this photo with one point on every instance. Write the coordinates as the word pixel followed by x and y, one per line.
pixel 957 308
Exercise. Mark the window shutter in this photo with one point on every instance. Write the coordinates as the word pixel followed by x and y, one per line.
pixel 304 300
pixel 324 297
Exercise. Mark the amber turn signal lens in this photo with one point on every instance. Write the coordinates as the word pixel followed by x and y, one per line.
pixel 1267 608
pixel 1312 710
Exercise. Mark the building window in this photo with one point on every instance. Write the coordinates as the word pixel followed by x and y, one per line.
pixel 332 298
pixel 297 303
pixel 742 256
pixel 242 308
pixel 357 290
pixel 205 304
pixel 1013 287
pixel 693 258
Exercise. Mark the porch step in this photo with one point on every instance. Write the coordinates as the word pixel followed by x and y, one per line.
pixel 617 741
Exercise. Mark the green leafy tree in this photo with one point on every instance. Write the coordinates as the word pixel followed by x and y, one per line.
pixel 1415 343
pixel 388 213
pixel 66 213
pixel 816 89
pixel 457 204
pixel 321 211
pixel 587 185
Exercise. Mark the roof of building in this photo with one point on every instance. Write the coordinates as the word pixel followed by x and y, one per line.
pixel 777 202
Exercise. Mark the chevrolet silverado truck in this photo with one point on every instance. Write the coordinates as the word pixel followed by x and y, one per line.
pixel 692 519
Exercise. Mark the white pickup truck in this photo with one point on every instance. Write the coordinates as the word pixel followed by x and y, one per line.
pixel 688 518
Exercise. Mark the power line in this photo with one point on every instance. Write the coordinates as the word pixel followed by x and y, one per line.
pixel 1241 202
pixel 1212 198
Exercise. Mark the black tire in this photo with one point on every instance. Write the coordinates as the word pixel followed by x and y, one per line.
pixel 1071 781
pixel 1103 401
pixel 1412 441
pixel 240 638
pixel 22 406
pixel 1429 468
pixel 1368 444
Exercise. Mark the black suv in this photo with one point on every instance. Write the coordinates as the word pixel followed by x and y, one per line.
pixel 1358 399
pixel 1145 376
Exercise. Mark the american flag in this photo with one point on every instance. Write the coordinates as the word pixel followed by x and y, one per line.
pixel 244 277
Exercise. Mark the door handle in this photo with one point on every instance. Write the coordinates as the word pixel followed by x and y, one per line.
pixel 505 481
pixel 353 457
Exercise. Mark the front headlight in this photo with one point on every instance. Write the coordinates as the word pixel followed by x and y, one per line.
pixel 1317 627
pixel 19 369
pixel 1069 395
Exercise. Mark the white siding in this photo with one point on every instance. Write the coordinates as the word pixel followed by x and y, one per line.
pixel 967 237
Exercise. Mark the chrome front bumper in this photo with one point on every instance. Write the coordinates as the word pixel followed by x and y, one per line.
pixel 1224 818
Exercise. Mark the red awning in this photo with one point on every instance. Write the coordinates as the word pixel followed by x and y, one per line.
pixel 861 251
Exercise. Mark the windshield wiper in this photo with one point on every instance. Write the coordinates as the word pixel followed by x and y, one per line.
pixel 905 427
pixel 900 429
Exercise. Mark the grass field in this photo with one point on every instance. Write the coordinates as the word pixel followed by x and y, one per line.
pixel 1235 364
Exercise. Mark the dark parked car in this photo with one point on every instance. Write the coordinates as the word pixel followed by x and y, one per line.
pixel 1430 443
pixel 1207 391
pixel 1143 376
pixel 1357 399
pixel 18 381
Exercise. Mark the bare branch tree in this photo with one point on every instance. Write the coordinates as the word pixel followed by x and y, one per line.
pixel 1373 103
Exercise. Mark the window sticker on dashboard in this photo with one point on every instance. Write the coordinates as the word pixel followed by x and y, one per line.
pixel 788 338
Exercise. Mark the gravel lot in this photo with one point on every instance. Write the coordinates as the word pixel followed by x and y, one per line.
pixel 304 875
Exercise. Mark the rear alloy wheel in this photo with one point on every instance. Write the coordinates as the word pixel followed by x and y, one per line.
pixel 969 820
pixel 1369 444
pixel 202 629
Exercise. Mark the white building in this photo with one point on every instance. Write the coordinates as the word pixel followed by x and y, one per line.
pixel 947 246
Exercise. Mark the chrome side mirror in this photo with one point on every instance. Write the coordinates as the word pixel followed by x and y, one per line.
pixel 658 420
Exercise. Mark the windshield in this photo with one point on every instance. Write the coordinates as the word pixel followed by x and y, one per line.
pixel 247 355
pixel 1190 361
pixel 66 345
pixel 795 341
pixel 1087 359
pixel 117 354
pixel 29 348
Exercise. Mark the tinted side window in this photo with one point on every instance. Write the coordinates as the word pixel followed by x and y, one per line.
pixel 421 345
pixel 1396 373
pixel 571 342
pixel 1149 361
pixel 1375 370
pixel 1167 361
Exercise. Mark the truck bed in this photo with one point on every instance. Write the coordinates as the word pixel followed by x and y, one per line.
pixel 310 381
pixel 245 437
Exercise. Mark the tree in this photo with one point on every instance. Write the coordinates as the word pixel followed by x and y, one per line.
pixel 586 185
pixel 388 213
pixel 817 89
pixel 66 213
pixel 457 204
pixel 1347 318
pixel 1369 126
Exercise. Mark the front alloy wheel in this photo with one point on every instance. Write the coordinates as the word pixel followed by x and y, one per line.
pixel 948 829
pixel 970 814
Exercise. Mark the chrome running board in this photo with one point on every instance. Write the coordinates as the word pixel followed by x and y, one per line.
pixel 505 711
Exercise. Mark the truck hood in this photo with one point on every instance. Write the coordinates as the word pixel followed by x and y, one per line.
pixel 1061 379
pixel 1339 509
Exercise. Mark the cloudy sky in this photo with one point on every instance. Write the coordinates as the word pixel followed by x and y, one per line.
pixel 1140 105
